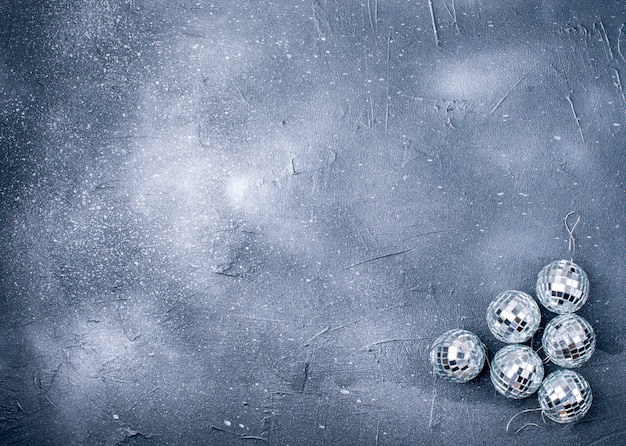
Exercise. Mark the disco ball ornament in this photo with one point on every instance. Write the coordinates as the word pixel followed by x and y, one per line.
pixel 457 356
pixel 562 287
pixel 513 316
pixel 565 396
pixel 516 371
pixel 569 340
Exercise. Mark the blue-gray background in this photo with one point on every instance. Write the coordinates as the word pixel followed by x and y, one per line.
pixel 242 222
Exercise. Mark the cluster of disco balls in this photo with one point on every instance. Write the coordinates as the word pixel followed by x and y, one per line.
pixel 517 370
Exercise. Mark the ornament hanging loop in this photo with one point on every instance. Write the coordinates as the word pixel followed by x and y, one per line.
pixel 570 231
pixel 508 425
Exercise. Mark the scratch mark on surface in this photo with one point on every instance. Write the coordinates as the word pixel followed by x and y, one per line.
pixel 141 399
pixel 227 274
pixel 241 437
pixel 387 117
pixel 456 23
pixel 253 437
pixel 317 335
pixel 406 350
pixel 619 42
pixel 429 291
pixel 242 96
pixel 321 37
pixel 201 142
pixel 605 39
pixel 377 431
pixel 421 234
pixel 370 119
pixel 383 256
pixel 432 410
pixel 221 429
pixel 178 408
pixel 387 79
pixel 316 21
pixel 618 84
pixel 61 197
pixel 387 341
pixel 403 304
pixel 179 300
pixel 576 118
pixel 511 89
pixel 166 319
pixel 263 319
pixel 368 99
pixel 471 425
pixel 358 119
pixel 367 248
pixel 452 14
pixel 305 376
pixel 432 17
pixel 376 15
pixel 370 15
pixel 371 236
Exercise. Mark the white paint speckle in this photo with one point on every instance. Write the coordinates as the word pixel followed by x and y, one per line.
pixel 227 423
pixel 344 392
pixel 557 137
pixel 116 416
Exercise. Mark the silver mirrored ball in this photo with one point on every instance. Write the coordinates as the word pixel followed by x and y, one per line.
pixel 513 316
pixel 516 371
pixel 569 340
pixel 565 396
pixel 457 355
pixel 562 287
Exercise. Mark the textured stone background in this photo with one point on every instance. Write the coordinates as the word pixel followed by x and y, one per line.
pixel 242 222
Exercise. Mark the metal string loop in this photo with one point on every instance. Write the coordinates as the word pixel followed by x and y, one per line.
pixel 570 231
pixel 508 425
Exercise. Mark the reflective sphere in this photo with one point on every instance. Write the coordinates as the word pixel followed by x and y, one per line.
pixel 457 355
pixel 562 287
pixel 565 396
pixel 513 316
pixel 516 371
pixel 569 340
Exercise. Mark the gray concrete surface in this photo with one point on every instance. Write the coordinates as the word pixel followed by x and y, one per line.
pixel 242 222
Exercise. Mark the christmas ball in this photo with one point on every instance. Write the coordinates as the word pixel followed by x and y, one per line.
pixel 457 355
pixel 569 340
pixel 513 316
pixel 565 396
pixel 562 287
pixel 516 371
